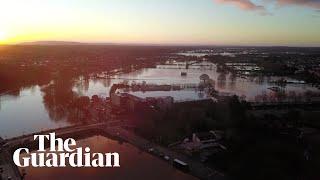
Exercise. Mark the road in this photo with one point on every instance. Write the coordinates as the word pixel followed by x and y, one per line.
pixel 197 169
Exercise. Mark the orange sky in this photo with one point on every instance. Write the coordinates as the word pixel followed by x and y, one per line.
pixel 166 21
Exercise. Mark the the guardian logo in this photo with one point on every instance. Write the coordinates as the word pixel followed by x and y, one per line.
pixel 62 153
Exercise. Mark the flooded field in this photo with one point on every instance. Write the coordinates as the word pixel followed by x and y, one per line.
pixel 135 164
pixel 249 87
pixel 37 108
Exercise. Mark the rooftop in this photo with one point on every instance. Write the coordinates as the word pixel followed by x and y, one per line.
pixel 178 96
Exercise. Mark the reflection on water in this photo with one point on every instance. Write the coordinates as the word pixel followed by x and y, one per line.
pixel 54 105
pixel 249 87
pixel 135 164
pixel 25 113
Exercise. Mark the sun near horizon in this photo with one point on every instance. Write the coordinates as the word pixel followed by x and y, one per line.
pixel 3 37
pixel 216 22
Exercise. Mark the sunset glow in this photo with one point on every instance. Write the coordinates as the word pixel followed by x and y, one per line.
pixel 2 36
pixel 167 21
pixel 159 89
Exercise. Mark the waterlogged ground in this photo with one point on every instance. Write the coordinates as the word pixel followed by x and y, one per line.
pixel 249 87
pixel 134 163
pixel 37 108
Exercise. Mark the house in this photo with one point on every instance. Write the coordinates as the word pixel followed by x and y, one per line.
pixel 202 141
pixel 206 139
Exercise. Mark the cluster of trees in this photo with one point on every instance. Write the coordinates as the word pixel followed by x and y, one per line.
pixel 28 65
pixel 63 104
pixel 185 118
pixel 291 96
pixel 253 151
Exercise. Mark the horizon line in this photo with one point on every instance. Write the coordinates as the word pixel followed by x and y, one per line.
pixel 74 43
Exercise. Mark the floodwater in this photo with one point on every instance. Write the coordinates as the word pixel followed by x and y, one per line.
pixel 39 108
pixel 134 163
pixel 249 87
pixel 25 113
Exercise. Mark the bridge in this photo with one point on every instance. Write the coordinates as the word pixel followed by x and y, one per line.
pixel 60 132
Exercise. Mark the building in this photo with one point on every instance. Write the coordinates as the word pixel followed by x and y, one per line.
pixel 206 139
pixel 126 101
pixel 202 141
pixel 131 102
pixel 119 99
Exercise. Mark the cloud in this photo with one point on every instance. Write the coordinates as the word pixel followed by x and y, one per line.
pixel 243 4
pixel 249 5
pixel 313 4
pixel 246 5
